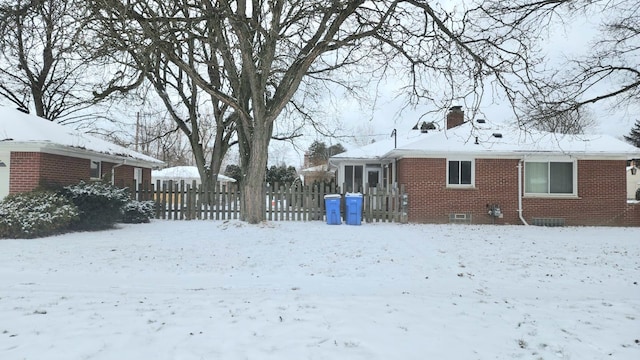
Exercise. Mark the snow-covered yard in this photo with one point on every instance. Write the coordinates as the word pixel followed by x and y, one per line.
pixel 293 290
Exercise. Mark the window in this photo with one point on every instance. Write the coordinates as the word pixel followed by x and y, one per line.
pixel 95 169
pixel 549 178
pixel 353 177
pixel 460 173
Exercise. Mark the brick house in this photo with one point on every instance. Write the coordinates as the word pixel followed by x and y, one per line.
pixel 474 172
pixel 36 152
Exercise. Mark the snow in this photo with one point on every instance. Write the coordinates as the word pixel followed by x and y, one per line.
pixel 307 290
pixel 186 173
pixel 17 127
pixel 461 140
pixel 470 138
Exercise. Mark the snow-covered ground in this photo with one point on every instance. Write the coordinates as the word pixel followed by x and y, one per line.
pixel 294 290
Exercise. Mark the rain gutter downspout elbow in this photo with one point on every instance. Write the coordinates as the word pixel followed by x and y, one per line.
pixel 113 171
pixel 520 192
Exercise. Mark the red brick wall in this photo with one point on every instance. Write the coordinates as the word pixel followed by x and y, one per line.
pixel 25 171
pixel 602 198
pixel 125 175
pixel 601 194
pixel 32 169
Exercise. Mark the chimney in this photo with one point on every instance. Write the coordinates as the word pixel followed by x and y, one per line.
pixel 455 117
pixel 306 160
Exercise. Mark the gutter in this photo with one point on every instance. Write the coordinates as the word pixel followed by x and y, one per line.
pixel 520 192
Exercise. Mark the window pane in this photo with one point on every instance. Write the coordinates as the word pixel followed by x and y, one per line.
pixel 357 178
pixel 95 169
pixel 561 177
pixel 465 172
pixel 536 176
pixel 454 172
pixel 372 178
pixel 348 177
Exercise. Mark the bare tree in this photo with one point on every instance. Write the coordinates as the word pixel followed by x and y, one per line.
pixel 42 63
pixel 578 121
pixel 157 136
pixel 206 121
pixel 259 57
pixel 609 71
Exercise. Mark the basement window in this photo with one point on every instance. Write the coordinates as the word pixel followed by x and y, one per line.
pixel 96 169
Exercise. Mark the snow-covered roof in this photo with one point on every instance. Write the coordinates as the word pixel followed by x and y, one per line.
pixel 319 168
pixel 484 140
pixel 507 140
pixel 377 149
pixel 19 128
pixel 187 173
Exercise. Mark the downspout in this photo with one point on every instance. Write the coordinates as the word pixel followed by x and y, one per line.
pixel 520 192
pixel 113 173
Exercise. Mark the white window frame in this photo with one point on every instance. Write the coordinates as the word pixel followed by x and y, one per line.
pixel 473 174
pixel 549 194
pixel 91 170
pixel 353 176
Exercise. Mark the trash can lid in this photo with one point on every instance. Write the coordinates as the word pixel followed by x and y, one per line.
pixel 353 195
pixel 332 196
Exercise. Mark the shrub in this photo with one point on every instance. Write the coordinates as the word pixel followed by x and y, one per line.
pixel 100 204
pixel 135 212
pixel 34 214
pixel 638 194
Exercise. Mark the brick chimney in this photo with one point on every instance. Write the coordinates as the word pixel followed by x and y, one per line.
pixel 455 117
pixel 306 161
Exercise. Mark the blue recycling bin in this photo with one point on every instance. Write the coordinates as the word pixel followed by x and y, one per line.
pixel 353 208
pixel 332 208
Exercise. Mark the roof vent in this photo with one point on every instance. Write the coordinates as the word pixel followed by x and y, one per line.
pixel 21 109
pixel 497 135
pixel 481 121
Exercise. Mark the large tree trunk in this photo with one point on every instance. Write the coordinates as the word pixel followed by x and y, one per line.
pixel 254 169
pixel 254 198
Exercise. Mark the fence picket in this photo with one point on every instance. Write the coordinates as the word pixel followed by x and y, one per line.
pixel 182 201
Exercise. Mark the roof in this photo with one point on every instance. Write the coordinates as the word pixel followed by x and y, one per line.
pixel 505 141
pixel 376 150
pixel 318 168
pixel 19 128
pixel 472 139
pixel 183 173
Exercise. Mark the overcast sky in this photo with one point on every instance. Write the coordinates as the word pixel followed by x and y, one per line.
pixel 358 123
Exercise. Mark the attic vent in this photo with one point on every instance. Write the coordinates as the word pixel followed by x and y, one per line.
pixel 497 135
pixel 426 126
pixel 548 221
pixel 481 121
pixel 21 109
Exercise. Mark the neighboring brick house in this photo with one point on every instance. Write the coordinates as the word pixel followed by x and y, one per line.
pixel 477 173
pixel 36 152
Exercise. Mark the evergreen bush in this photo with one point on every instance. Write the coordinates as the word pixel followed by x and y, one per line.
pixel 100 204
pixel 136 212
pixel 638 194
pixel 35 214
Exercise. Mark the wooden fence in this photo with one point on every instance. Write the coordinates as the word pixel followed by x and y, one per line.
pixel 189 201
